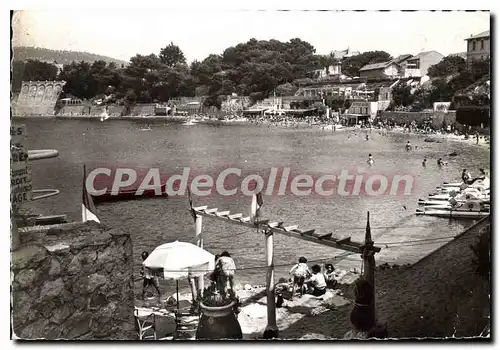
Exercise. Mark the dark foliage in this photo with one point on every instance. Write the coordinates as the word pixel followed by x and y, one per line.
pixel 474 115
pixel 447 66
pixel 31 70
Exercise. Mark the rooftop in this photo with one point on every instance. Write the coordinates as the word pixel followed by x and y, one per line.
pixel 401 58
pixel 423 54
pixel 485 34
pixel 374 66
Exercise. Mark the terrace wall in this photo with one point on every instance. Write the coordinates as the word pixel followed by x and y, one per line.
pixel 402 118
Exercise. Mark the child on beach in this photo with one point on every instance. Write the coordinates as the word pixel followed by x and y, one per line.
pixel 330 276
pixel 300 272
pixel 317 282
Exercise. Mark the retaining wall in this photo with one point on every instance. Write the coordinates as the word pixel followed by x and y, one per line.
pixel 402 118
pixel 73 282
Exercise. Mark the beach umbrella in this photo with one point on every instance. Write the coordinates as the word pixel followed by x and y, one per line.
pixel 178 260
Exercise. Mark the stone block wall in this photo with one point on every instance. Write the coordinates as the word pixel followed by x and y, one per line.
pixel 73 282
pixel 143 109
pixel 402 118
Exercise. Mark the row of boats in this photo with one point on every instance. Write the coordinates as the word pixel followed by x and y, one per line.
pixel 458 200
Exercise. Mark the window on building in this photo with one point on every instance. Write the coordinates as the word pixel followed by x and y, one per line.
pixel 473 46
pixel 413 64
pixel 482 44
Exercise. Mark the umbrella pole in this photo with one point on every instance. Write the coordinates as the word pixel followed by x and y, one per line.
pixel 177 287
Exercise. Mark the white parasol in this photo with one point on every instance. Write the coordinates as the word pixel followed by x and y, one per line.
pixel 178 260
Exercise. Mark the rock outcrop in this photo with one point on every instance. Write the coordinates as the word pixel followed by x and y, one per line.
pixel 73 282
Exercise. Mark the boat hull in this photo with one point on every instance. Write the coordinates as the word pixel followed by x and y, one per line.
pixel 129 194
pixel 457 214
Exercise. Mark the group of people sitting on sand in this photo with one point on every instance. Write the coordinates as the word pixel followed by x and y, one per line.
pixel 312 281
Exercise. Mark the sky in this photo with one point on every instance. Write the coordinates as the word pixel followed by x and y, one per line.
pixel 199 32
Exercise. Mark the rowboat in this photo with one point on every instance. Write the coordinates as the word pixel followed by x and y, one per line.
pixel 457 214
pixel 446 205
pixel 468 210
pixel 464 195
pixel 428 202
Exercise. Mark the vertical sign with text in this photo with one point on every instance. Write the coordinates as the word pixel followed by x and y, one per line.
pixel 20 169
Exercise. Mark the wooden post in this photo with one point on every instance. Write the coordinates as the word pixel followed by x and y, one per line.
pixel 199 242
pixel 271 328
pixel 369 264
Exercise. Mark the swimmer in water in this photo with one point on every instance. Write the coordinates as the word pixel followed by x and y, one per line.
pixel 367 137
pixel 408 146
pixel 440 162
pixel 424 163
pixel 370 160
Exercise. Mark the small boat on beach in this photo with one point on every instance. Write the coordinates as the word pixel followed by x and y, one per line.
pixel 453 214
pixel 448 205
pixel 467 210
pixel 428 202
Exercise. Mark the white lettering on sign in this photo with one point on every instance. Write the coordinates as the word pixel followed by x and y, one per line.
pixel 20 169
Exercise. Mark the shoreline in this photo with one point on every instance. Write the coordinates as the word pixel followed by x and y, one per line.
pixel 325 127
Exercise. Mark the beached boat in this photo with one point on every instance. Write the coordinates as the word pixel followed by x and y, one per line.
pixel 455 214
pixel 447 205
pixel 460 196
pixel 468 210
pixel 421 201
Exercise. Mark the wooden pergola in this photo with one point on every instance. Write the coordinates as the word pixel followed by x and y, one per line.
pixel 366 249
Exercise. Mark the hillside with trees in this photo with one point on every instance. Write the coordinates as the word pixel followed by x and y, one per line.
pixel 23 53
pixel 254 69
pixel 450 81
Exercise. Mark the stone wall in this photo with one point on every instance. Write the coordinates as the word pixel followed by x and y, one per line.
pixel 143 109
pixel 37 98
pixel 402 118
pixel 73 282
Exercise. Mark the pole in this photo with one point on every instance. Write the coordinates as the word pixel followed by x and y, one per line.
pixel 271 328
pixel 177 289
pixel 199 242
pixel 369 265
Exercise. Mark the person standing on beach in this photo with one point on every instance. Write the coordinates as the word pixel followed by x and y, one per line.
pixel 424 163
pixel 370 160
pixel 477 138
pixel 226 269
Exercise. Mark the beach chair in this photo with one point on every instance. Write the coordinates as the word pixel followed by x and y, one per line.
pixel 146 326
pixel 186 324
